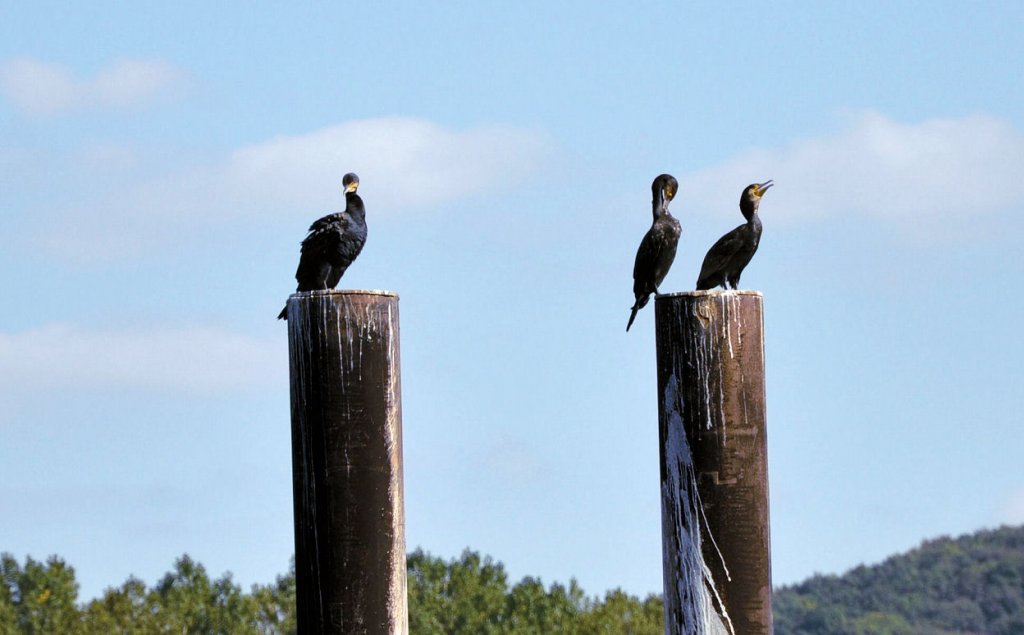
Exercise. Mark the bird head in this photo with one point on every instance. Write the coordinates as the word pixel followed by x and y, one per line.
pixel 350 182
pixel 663 189
pixel 757 190
pixel 751 197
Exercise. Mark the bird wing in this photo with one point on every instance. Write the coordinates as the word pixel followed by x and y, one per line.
pixel 319 250
pixel 721 253
pixel 331 222
pixel 646 254
pixel 325 235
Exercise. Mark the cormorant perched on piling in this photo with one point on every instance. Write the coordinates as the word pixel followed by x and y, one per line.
pixel 333 243
pixel 658 248
pixel 726 259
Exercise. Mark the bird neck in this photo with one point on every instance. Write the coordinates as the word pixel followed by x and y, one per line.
pixel 658 209
pixel 749 211
pixel 354 204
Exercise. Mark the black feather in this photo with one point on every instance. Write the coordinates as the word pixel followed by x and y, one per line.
pixel 658 248
pixel 729 256
pixel 332 244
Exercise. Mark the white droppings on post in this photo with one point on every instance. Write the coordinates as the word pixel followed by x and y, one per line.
pixel 364 331
pixel 300 333
pixel 702 358
pixel 735 308
pixel 696 591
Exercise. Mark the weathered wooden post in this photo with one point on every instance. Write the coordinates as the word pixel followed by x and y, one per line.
pixel 347 463
pixel 714 471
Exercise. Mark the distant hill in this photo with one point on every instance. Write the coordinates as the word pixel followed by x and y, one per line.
pixel 973 585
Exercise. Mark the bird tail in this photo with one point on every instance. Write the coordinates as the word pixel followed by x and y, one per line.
pixel 641 302
pixel 632 316
pixel 283 315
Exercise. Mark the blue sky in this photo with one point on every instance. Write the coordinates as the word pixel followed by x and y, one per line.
pixel 159 165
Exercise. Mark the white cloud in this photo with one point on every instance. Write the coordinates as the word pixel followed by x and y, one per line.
pixel 185 360
pixel 937 170
pixel 403 163
pixel 41 88
pixel 1012 512
pixel 408 162
pixel 37 87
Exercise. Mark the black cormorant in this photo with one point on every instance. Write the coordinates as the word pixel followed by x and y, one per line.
pixel 726 259
pixel 333 243
pixel 658 248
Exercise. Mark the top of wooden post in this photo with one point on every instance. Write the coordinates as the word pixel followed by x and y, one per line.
pixel 320 292
pixel 712 292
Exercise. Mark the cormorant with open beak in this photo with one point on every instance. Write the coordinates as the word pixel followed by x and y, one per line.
pixel 333 243
pixel 726 259
pixel 658 248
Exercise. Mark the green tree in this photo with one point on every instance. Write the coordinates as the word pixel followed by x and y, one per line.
pixel 275 605
pixel 464 596
pixel 624 614
pixel 471 595
pixel 882 624
pixel 126 610
pixel 530 609
pixel 42 596
pixel 8 611
pixel 971 584
pixel 187 601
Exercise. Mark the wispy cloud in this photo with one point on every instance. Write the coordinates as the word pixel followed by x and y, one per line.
pixel 937 170
pixel 404 164
pixel 40 88
pixel 407 162
pixel 191 361
pixel 1012 512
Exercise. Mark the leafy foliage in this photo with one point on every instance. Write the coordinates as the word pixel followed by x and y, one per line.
pixel 37 599
pixel 969 585
pixel 470 595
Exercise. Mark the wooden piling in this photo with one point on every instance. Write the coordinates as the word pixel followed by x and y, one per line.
pixel 350 570
pixel 714 472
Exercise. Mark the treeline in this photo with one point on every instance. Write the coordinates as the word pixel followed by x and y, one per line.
pixel 968 585
pixel 469 595
pixel 965 586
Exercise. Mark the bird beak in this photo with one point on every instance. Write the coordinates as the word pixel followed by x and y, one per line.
pixel 762 188
pixel 663 199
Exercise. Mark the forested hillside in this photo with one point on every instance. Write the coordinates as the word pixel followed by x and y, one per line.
pixel 968 585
